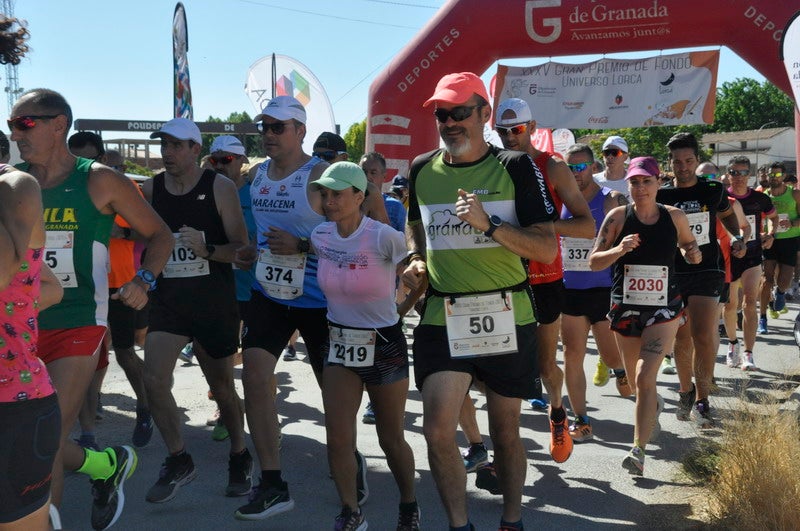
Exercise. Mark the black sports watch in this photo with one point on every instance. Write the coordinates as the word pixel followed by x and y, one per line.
pixel 148 278
pixel 210 248
pixel 494 222
pixel 303 245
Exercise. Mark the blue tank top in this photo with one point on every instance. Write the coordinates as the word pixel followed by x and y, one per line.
pixel 284 204
pixel 245 277
pixel 588 279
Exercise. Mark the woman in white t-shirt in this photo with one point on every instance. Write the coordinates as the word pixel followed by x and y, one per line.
pixel 358 259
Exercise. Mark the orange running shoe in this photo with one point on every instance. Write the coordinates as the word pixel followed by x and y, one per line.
pixel 560 441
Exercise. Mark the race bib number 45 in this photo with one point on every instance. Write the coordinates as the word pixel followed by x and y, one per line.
pixel 645 285
pixel 481 325
pixel 352 348
pixel 58 255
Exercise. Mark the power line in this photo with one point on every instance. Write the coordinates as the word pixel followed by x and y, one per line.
pixel 329 15
pixel 404 4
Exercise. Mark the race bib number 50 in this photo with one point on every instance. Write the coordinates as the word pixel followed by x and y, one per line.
pixel 481 325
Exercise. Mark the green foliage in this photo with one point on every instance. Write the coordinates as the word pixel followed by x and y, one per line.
pixel 132 167
pixel 747 104
pixel 356 140
pixel 252 143
pixel 644 141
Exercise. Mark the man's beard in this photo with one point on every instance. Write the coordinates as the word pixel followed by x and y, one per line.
pixel 457 148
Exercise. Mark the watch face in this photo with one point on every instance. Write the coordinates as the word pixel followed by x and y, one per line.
pixel 495 220
pixel 148 276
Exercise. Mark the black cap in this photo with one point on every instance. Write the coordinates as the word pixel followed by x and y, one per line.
pixel 330 141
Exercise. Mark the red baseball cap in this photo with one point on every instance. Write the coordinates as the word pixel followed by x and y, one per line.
pixel 458 88
pixel 647 166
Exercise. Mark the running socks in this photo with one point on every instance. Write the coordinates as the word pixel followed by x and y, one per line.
pixel 99 465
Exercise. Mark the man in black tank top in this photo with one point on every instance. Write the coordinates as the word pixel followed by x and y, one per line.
pixel 195 301
pixel 701 284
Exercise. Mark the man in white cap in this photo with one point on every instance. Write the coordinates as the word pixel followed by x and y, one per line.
pixel 286 295
pixel 615 153
pixel 515 125
pixel 195 301
pixel 474 211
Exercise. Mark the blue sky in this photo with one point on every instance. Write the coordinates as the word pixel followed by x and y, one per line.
pixel 113 59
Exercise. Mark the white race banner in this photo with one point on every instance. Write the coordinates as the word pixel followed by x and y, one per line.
pixel 672 89
pixel 790 53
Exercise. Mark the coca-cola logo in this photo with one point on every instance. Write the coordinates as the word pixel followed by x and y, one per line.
pixel 597 120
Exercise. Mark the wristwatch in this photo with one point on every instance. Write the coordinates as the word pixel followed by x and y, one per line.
pixel 148 278
pixel 494 222
pixel 303 245
pixel 210 248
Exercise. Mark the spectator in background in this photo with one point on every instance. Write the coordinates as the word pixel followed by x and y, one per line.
pixel 400 189
pixel 86 144
pixel 5 149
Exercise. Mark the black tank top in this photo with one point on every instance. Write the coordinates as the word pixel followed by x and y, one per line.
pixel 197 209
pixel 658 244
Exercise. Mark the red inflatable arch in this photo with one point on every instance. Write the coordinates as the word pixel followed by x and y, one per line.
pixel 470 35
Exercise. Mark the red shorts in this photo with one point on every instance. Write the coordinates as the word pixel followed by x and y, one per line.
pixel 69 342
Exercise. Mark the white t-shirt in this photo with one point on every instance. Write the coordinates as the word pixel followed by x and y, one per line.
pixel 620 186
pixel 357 274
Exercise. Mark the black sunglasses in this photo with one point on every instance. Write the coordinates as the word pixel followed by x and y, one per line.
pixel 611 152
pixel 226 159
pixel 328 156
pixel 23 123
pixel 277 128
pixel 743 173
pixel 458 114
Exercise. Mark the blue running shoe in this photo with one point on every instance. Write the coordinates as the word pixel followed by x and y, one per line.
pixel 780 301
pixel 762 326
pixel 538 403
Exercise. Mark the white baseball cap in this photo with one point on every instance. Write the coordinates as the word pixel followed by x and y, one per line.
pixel 227 143
pixel 512 111
pixel 617 142
pixel 180 128
pixel 283 108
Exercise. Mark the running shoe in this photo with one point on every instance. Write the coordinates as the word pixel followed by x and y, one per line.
pixel 734 356
pixel 187 354
pixel 506 526
pixel 656 423
pixel 560 441
pixel 143 430
pixel 701 414
pixel 220 432
pixel 176 471
pixel 762 326
pixel 667 367
pixel 623 386
pixel 538 403
pixel 369 414
pixel 486 478
pixel 748 364
pixel 601 376
pixel 773 314
pixel 408 517
pixel 580 430
pixel 475 456
pixel 240 474
pixel 361 479
pixel 289 353
pixel 265 502
pixel 685 403
pixel 350 520
pixel 780 301
pixel 108 495
pixel 634 461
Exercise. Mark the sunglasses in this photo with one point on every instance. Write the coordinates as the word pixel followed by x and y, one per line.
pixel 277 128
pixel 458 114
pixel 328 156
pixel 611 152
pixel 226 159
pixel 778 174
pixel 708 175
pixel 23 123
pixel 514 129
pixel 577 168
pixel 742 173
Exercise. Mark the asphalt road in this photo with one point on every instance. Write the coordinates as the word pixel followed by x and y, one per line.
pixel 589 491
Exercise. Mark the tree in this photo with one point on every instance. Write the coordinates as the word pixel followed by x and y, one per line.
pixel 642 141
pixel 356 140
pixel 747 104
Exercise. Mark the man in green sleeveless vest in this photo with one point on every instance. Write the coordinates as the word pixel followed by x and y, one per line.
pixel 81 198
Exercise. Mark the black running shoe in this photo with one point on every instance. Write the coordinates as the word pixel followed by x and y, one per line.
pixel 265 502
pixel 176 471
pixel 143 430
pixel 240 474
pixel 109 497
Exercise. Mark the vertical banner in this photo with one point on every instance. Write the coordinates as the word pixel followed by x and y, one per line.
pixel 677 89
pixel 180 64
pixel 280 75
pixel 790 54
